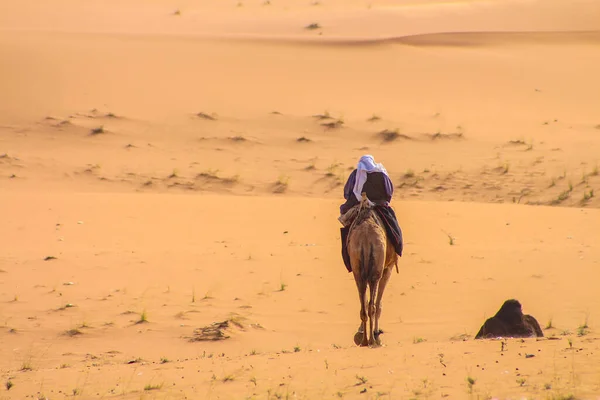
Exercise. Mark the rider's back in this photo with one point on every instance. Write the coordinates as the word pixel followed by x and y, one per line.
pixel 375 188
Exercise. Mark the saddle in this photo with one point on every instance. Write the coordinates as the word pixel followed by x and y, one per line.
pixel 348 218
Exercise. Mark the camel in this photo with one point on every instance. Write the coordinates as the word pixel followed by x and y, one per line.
pixel 372 257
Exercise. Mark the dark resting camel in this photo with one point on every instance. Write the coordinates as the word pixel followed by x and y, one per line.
pixel 509 321
pixel 372 257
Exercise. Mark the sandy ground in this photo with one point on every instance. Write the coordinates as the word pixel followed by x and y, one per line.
pixel 166 165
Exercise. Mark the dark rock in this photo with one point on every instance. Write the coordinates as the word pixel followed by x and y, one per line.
pixel 509 321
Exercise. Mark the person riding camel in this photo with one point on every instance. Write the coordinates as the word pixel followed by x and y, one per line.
pixel 373 179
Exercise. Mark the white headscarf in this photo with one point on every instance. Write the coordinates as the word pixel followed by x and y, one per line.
pixel 366 165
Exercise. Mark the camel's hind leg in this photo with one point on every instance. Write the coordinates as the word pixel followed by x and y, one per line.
pixel 387 272
pixel 361 336
pixel 373 293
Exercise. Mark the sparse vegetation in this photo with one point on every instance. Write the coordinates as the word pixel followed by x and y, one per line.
pixel 361 380
pixel 281 185
pixel 389 135
pixel 150 386
pixel 98 130
pixel 549 324
pixel 303 139
pixel 282 287
pixel 68 305
pixel 8 384
pixel 374 118
pixel 206 116
pixel 409 174
pixel 297 349
pixel 582 330
pixel 143 318
pixel 174 174
pixel 228 378
pixel 73 332
pixel 313 26
pixel 417 340
pixel 450 239
pixel 332 168
pixel 561 197
pixel 470 382
pixel 333 124
pixel 325 115
pixel 26 366
pixel 440 135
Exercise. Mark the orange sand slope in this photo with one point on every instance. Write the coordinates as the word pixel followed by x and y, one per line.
pixel 208 258
pixel 168 165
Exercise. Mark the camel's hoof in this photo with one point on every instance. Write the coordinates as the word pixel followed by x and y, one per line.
pixel 358 338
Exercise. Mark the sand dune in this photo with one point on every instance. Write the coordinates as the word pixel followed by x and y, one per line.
pixel 171 172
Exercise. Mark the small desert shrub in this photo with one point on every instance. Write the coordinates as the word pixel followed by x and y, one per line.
pixel 152 387
pixel 98 130
pixel 470 383
pixel 143 318
pixel 281 185
pixel 73 332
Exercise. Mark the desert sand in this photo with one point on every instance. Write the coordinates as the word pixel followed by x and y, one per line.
pixel 166 165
